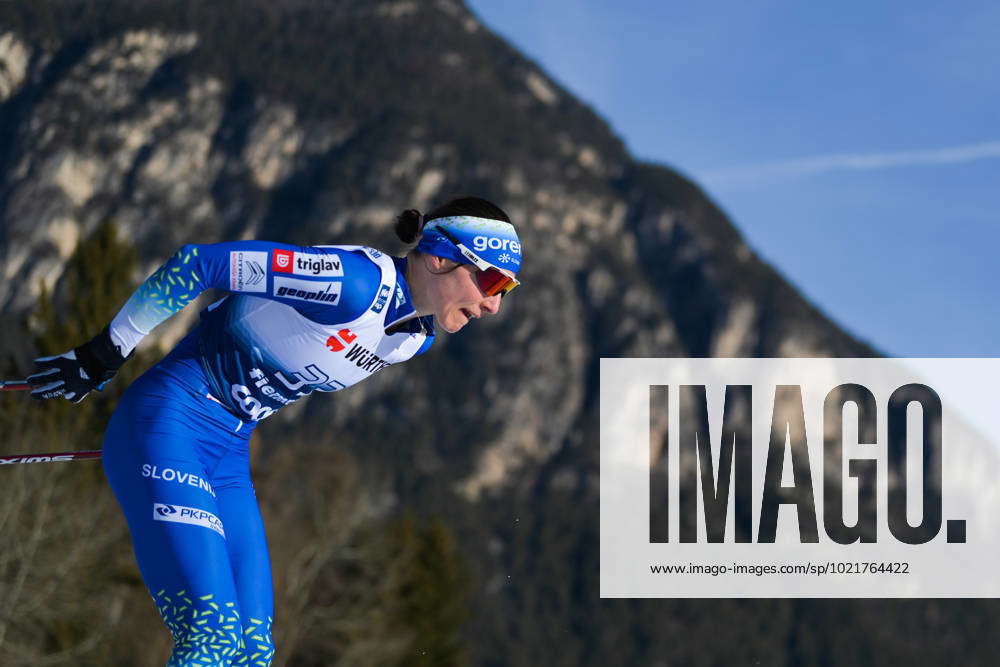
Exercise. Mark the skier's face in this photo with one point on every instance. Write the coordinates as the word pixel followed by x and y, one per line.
pixel 455 296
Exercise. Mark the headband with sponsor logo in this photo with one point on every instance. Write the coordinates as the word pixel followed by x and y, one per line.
pixel 494 241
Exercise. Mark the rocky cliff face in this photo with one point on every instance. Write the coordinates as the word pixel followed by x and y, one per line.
pixel 291 123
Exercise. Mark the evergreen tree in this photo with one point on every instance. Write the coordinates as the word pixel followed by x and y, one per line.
pixel 61 526
pixel 98 279
pixel 430 587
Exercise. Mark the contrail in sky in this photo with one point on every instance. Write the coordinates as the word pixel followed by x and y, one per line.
pixel 777 171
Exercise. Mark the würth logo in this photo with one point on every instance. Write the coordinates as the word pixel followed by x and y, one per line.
pixel 334 342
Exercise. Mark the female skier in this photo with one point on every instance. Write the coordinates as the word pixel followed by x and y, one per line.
pixel 297 319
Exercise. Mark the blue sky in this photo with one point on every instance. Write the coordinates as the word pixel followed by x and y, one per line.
pixel 856 145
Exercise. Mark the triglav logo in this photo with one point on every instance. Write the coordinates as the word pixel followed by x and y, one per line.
pixel 799 477
pixel 317 265
pixel 282 260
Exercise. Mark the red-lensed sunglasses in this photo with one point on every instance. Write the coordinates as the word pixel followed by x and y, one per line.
pixel 490 279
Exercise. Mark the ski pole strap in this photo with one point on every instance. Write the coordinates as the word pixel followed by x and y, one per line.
pixel 100 358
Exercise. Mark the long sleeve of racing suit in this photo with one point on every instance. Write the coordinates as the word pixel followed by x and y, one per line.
pixel 243 267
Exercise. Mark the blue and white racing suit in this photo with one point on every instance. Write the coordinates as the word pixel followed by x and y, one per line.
pixel 176 452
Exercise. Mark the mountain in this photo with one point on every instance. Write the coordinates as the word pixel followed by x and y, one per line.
pixel 316 122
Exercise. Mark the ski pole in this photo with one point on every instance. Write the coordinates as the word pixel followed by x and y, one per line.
pixel 51 457
pixel 14 385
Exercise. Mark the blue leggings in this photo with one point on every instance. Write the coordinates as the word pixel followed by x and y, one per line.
pixel 178 463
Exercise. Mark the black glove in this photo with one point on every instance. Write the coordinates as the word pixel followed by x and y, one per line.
pixel 76 373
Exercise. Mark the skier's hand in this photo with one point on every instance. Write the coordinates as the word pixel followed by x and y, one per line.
pixel 61 375
pixel 76 373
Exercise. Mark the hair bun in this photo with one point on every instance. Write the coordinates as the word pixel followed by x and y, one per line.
pixel 409 224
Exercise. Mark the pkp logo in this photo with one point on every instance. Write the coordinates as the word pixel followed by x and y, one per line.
pixel 193 516
pixel 164 510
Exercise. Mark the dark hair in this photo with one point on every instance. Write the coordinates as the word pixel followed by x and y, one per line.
pixel 410 223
